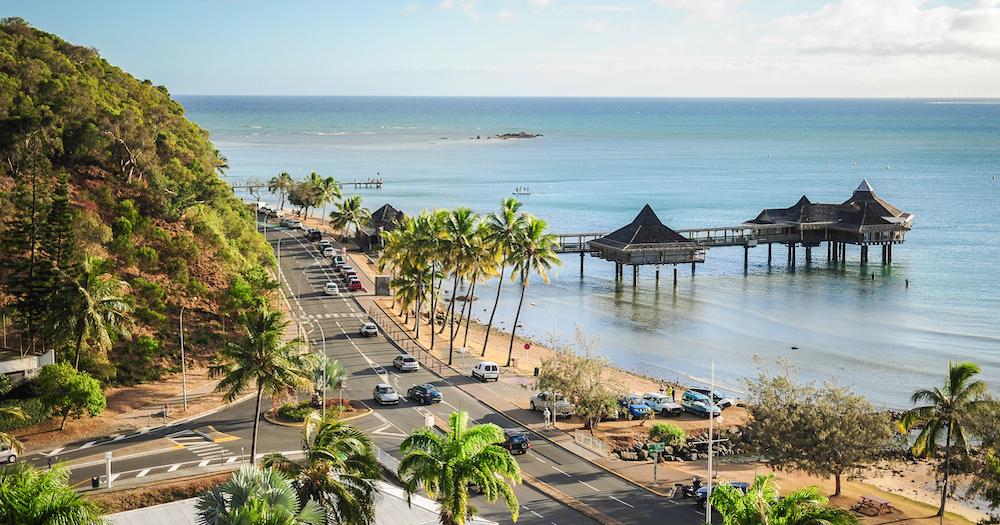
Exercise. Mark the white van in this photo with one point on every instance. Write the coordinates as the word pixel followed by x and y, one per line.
pixel 485 371
pixel 7 455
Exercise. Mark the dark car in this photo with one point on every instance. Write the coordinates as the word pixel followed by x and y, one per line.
pixel 313 234
pixel 721 400
pixel 424 394
pixel 516 442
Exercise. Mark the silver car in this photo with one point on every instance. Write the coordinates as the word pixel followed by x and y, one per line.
pixel 7 455
pixel 384 394
pixel 406 363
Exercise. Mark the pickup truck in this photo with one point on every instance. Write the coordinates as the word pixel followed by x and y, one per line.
pixel 556 404
pixel 662 404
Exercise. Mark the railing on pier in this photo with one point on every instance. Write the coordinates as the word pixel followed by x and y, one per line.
pixel 575 242
pixel 742 235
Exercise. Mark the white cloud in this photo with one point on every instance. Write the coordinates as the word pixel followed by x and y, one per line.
pixel 599 8
pixel 507 15
pixel 893 28
pixel 412 8
pixel 446 5
pixel 595 26
pixel 540 3
pixel 702 8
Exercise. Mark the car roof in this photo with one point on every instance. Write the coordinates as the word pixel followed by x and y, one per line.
pixel 380 385
pixel 485 363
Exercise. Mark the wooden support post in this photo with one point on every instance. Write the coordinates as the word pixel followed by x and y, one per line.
pixel 768 255
pixel 635 274
pixel 809 254
pixel 692 267
pixel 829 250
pixel 889 246
pixel 675 276
pixel 657 276
pixel 581 263
pixel 746 258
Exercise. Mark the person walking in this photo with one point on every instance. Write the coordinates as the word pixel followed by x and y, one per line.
pixel 547 416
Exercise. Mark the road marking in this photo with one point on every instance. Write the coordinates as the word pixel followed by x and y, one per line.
pixel 118 437
pixel 535 513
pixel 622 502
pixel 204 463
pixel 114 476
pixel 231 460
pixel 561 470
pixel 591 486
pixel 142 473
pixel 55 451
pixel 532 454
pixel 174 467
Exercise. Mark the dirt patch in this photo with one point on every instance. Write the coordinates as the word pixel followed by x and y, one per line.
pixel 165 492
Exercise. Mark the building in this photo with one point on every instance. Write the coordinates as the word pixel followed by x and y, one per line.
pixel 384 219
pixel 18 366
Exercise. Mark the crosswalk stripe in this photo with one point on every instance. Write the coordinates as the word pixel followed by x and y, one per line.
pixel 203 463
pixel 142 473
pixel 174 467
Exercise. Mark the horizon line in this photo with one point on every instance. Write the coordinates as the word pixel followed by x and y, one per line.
pixel 650 97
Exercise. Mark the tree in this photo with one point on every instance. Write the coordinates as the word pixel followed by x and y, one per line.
pixel 762 504
pixel 262 361
pixel 826 431
pixel 579 377
pixel 31 496
pixel 349 213
pixel 281 184
pixel 985 466
pixel 8 440
pixel 948 413
pixel 256 496
pixel 533 251
pixel 327 188
pixel 70 392
pixel 459 234
pixel 99 310
pixel 505 227
pixel 328 373
pixel 445 466
pixel 669 434
pixel 339 471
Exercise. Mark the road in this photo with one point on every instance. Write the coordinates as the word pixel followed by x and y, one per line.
pixel 334 320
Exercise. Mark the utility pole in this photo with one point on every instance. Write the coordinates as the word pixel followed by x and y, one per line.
pixel 711 420
pixel 184 385
pixel 323 335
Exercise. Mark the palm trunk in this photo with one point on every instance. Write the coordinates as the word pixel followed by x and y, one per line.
pixel 469 302
pixel 486 338
pixel 80 332
pixel 520 303
pixel 282 206
pixel 451 319
pixel 256 424
pixel 947 470
pixel 433 307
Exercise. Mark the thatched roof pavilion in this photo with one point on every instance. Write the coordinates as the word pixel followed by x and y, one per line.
pixel 384 219
pixel 646 240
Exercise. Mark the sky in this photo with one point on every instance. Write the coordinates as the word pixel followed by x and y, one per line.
pixel 649 48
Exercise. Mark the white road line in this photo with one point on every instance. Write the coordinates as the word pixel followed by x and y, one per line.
pixel 204 463
pixel 231 460
pixel 535 513
pixel 114 476
pixel 87 445
pixel 55 451
pixel 591 486
pixel 174 467
pixel 561 470
pixel 142 473
pixel 622 502
pixel 538 458
pixel 118 437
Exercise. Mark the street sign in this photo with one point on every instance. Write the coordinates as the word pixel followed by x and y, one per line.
pixel 654 448
pixel 527 346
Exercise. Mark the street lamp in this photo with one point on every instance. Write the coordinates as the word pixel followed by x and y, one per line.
pixel 184 390
pixel 536 305
pixel 323 335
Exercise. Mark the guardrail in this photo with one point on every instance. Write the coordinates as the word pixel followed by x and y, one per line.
pixel 589 442
pixel 401 338
pixel 386 460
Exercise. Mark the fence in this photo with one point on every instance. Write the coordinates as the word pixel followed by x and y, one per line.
pixel 386 460
pixel 589 442
pixel 401 338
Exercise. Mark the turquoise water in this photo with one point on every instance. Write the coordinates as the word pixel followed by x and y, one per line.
pixel 698 163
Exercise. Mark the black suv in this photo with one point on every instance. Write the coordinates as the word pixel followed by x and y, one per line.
pixel 424 394
pixel 516 442
pixel 313 234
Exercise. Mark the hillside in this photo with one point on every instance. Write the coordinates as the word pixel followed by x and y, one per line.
pixel 101 172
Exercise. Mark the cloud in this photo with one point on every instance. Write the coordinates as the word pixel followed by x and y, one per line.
pixel 507 15
pixel 540 3
pixel 446 5
pixel 468 7
pixel 598 9
pixel 893 28
pixel 701 8
pixel 595 26
pixel 412 8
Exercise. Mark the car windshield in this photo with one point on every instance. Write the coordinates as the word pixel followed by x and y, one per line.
pixel 409 360
pixel 431 389
pixel 385 390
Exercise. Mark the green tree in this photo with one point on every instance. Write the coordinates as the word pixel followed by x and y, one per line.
pixel 70 392
pixel 460 246
pixel 762 504
pixel 30 496
pixel 984 469
pixel 99 309
pixel 349 213
pixel 328 190
pixel 262 361
pixel 948 413
pixel 281 185
pixel 580 378
pixel 257 496
pixel 8 440
pixel 445 466
pixel 339 471
pixel 533 252
pixel 505 227
pixel 668 434
pixel 327 373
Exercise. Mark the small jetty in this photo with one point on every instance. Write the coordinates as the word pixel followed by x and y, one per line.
pixel 864 220
pixel 367 183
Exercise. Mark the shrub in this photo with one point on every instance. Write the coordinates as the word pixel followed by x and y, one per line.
pixel 670 435
pixel 136 363
pixel 70 393
pixel 6 385
pixel 147 256
pixel 34 411
pixel 295 411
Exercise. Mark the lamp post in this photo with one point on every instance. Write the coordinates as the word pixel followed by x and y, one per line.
pixel 711 419
pixel 536 305
pixel 323 335
pixel 184 388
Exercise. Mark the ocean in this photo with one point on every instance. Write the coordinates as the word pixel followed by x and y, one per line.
pixel 697 162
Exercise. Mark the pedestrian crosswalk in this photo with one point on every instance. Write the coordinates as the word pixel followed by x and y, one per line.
pixel 202 446
pixel 338 315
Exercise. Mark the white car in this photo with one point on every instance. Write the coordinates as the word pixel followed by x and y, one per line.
pixel 331 288
pixel 485 371
pixel 662 404
pixel 328 251
pixel 368 329
pixel 295 225
pixel 384 394
pixel 326 243
pixel 406 363
pixel 7 455
pixel 556 403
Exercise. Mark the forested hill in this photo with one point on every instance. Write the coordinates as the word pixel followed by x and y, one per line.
pixel 105 184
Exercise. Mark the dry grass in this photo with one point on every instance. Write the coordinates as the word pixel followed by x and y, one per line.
pixel 165 492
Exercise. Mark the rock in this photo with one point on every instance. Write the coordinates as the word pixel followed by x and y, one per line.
pixel 668 451
pixel 643 454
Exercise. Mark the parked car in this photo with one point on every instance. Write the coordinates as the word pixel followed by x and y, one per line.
pixel 368 329
pixel 331 288
pixel 384 394
pixel 349 274
pixel 354 284
pixel 516 442
pixel 699 405
pixel 701 495
pixel 323 243
pixel 662 404
pixel 313 234
pixel 285 221
pixel 338 261
pixel 344 268
pixel 7 454
pixel 631 406
pixel 721 400
pixel 424 394
pixel 485 371
pixel 556 403
pixel 295 225
pixel 406 363
pixel 328 251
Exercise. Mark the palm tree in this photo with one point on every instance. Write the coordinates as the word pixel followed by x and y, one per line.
pixel 504 229
pixel 762 504
pixel 459 234
pixel 339 472
pixel 532 252
pixel 327 373
pixel 435 250
pixel 948 411
pixel 30 496
pixel 329 191
pixel 483 263
pixel 445 466
pixel 99 309
pixel 255 496
pixel 263 361
pixel 8 440
pixel 281 185
pixel 349 213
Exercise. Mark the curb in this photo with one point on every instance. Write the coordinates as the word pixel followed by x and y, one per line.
pixel 269 419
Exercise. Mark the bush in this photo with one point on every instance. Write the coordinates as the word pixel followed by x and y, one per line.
pixel 70 393
pixel 136 364
pixel 295 411
pixel 6 385
pixel 670 435
pixel 34 410
pixel 147 256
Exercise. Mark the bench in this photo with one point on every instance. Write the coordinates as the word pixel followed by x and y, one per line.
pixel 872 506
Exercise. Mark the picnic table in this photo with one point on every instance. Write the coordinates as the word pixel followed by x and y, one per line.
pixel 872 506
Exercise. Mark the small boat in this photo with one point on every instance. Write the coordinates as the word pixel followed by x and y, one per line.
pixel 522 190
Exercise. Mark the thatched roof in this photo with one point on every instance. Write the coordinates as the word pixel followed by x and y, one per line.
pixel 864 208
pixel 645 229
pixel 386 217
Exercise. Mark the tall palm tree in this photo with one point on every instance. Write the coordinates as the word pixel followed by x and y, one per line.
pixel 504 229
pixel 8 440
pixel 762 504
pixel 281 184
pixel 339 471
pixel 263 361
pixel 947 413
pixel 483 264
pixel 327 373
pixel 533 251
pixel 436 251
pixel 329 191
pixel 459 234
pixel 99 309
pixel 255 496
pixel 30 496
pixel 349 213
pixel 445 466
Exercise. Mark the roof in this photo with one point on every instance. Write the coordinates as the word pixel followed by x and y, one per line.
pixel 386 217
pixel 646 228
pixel 864 208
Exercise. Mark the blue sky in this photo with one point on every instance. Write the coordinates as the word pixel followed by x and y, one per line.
pixel 826 48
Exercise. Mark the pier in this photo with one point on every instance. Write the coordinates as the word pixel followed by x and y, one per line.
pixel 355 184
pixel 864 220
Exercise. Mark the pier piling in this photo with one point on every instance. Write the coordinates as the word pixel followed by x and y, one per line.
pixel 635 274
pixel 746 258
pixel 675 276
pixel 582 254
pixel 768 255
